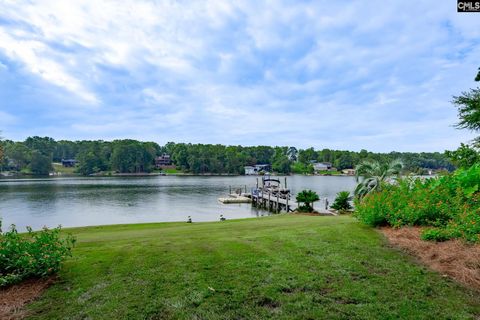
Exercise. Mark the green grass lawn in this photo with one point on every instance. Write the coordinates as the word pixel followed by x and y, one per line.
pixel 171 171
pixel 331 173
pixel 58 167
pixel 282 267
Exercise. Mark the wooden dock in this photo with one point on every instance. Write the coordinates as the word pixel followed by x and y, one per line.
pixel 271 202
pixel 270 198
pixel 277 204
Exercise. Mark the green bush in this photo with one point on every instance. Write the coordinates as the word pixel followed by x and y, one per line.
pixel 303 209
pixel 450 203
pixel 35 254
pixel 436 234
pixel 302 168
pixel 307 197
pixel 342 201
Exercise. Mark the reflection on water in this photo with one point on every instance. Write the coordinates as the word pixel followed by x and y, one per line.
pixel 94 201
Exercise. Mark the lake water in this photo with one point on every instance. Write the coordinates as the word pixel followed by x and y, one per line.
pixel 79 201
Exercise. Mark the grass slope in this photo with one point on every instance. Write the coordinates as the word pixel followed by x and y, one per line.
pixel 58 167
pixel 282 267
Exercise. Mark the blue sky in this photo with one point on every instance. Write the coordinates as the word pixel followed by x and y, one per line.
pixel 376 75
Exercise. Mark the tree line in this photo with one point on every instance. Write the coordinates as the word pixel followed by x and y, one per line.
pixel 36 154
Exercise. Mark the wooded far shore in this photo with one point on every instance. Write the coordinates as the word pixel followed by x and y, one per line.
pixel 36 155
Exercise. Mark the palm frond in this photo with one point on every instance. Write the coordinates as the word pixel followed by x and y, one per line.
pixel 374 175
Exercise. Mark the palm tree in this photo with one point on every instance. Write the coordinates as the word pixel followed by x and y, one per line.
pixel 292 153
pixel 342 201
pixel 374 174
pixel 308 197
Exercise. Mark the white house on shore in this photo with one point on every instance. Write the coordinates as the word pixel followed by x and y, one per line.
pixel 323 166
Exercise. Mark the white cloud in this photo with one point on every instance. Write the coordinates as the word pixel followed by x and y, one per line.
pixel 355 75
pixel 30 53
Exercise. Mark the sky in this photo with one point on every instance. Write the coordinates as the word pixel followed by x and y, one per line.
pixel 349 75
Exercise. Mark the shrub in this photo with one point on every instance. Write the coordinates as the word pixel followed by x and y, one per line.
pixel 305 209
pixel 342 201
pixel 450 204
pixel 436 234
pixel 301 168
pixel 35 254
pixel 466 225
pixel 372 210
pixel 308 197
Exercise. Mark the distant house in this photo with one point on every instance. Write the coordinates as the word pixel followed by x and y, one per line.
pixel 322 166
pixel 163 161
pixel 12 164
pixel 350 172
pixel 69 162
pixel 257 169
pixel 249 170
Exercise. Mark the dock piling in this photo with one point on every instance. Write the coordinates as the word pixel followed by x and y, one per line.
pixel 277 206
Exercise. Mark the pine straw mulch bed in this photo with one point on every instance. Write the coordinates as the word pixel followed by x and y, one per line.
pixel 453 258
pixel 15 297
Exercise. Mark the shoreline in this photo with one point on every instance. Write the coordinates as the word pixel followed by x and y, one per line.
pixel 146 174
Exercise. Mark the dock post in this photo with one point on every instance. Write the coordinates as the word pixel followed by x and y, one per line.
pixel 285 182
pixel 287 208
pixel 230 189
pixel 262 202
pixel 269 204
pixel 277 204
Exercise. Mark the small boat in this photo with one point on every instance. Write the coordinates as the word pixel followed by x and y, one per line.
pixel 274 187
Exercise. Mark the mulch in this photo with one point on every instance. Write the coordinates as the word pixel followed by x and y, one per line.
pixel 454 258
pixel 15 297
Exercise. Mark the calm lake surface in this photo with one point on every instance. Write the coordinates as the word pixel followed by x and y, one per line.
pixel 79 201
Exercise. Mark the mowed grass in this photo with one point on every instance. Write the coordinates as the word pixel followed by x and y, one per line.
pixel 171 171
pixel 281 267
pixel 58 167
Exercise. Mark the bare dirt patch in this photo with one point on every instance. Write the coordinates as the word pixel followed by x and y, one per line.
pixel 15 297
pixel 454 258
